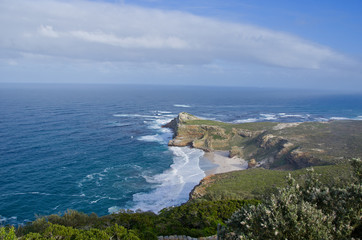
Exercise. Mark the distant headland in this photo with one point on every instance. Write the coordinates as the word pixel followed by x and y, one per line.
pixel 272 145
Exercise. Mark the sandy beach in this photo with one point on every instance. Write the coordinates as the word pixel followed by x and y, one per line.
pixel 224 163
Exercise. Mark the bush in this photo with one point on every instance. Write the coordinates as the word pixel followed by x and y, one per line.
pixel 198 219
pixel 308 211
pixel 7 233
pixel 55 231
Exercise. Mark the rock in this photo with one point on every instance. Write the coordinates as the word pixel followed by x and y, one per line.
pixel 302 159
pixel 247 133
pixel 269 141
pixel 181 118
pixel 236 152
pixel 252 163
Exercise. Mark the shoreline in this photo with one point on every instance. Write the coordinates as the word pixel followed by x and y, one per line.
pixel 222 163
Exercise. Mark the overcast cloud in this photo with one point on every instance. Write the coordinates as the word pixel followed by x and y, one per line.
pixel 119 35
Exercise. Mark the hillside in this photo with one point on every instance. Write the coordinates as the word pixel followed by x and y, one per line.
pixel 256 183
pixel 272 145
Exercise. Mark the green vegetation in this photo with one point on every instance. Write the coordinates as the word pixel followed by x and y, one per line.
pixel 309 210
pixel 7 233
pixel 256 183
pixel 324 203
pixel 275 145
pixel 254 126
pixel 194 219
pixel 56 231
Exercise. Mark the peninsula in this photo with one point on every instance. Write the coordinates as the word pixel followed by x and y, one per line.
pixel 265 150
pixel 272 145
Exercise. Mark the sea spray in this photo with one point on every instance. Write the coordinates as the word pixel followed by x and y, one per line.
pixel 172 187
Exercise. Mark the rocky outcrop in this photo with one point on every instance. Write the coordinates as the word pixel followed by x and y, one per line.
pixel 247 133
pixel 236 152
pixel 271 145
pixel 181 118
pixel 200 190
pixel 269 141
pixel 303 159
pixel 185 135
pixel 252 163
pixel 200 136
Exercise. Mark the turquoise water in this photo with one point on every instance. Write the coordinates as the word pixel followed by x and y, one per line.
pixel 99 148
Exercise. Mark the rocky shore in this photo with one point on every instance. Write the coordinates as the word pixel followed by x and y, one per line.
pixel 270 145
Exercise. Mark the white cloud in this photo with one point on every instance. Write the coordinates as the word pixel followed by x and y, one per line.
pixel 130 42
pixel 48 31
pixel 99 31
pixel 130 37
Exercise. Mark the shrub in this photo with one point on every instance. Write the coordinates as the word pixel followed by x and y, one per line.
pixel 308 211
pixel 7 233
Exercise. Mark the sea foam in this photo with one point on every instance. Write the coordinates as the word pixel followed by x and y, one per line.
pixel 151 138
pixel 246 120
pixel 173 185
pixel 339 118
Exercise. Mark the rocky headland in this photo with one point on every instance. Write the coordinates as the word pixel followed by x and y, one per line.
pixel 272 145
pixel 265 150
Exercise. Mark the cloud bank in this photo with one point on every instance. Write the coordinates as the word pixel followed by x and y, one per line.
pixel 124 34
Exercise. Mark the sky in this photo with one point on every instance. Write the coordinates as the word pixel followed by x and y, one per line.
pixel 249 43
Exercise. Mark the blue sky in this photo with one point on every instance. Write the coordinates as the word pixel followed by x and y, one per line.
pixel 251 43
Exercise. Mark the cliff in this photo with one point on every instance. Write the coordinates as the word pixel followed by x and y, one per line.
pixel 272 145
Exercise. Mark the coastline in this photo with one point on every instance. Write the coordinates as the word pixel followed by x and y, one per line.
pixel 222 163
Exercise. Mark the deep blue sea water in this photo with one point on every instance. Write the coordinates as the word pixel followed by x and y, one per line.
pixel 99 148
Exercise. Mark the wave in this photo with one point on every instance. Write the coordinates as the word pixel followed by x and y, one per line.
pixel 339 118
pixel 182 105
pixel 135 115
pixel 284 115
pixel 151 138
pixel 268 116
pixel 164 134
pixel 246 120
pixel 9 220
pixel 98 176
pixel 173 185
pixel 274 117
pixel 40 193
pixel 346 118
pixel 163 112
pixel 114 209
pixel 118 124
pixel 158 123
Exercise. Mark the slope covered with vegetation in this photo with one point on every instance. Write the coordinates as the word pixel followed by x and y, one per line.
pixel 193 219
pixel 309 210
pixel 271 144
pixel 330 208
pixel 255 183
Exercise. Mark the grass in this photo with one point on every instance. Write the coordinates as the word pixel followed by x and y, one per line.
pixel 255 183
pixel 255 126
pixel 322 142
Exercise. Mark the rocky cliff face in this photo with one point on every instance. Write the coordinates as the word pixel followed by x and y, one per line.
pixel 181 118
pixel 272 145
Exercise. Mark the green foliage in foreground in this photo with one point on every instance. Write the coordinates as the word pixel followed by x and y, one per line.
pixel 311 210
pixel 194 219
pixel 7 233
pixel 258 182
pixel 55 231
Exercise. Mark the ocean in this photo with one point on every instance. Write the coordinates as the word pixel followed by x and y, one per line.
pixel 101 148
